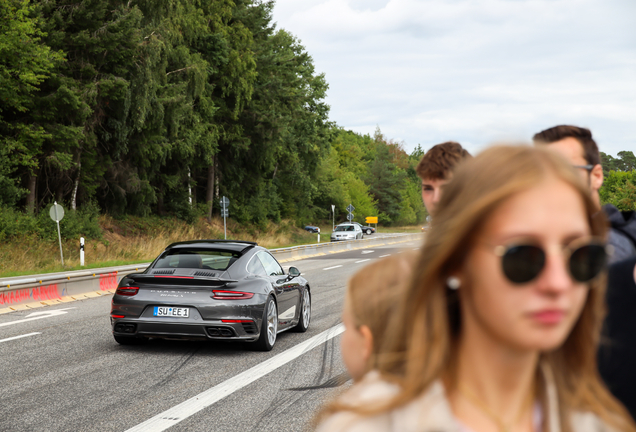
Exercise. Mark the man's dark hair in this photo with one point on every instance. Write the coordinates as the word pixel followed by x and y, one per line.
pixel 440 160
pixel 582 135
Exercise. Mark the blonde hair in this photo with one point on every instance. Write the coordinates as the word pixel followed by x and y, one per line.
pixel 373 296
pixel 423 346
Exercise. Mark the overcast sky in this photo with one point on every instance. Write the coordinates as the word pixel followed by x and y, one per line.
pixel 473 71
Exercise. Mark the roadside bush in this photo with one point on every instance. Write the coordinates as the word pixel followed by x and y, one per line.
pixel 80 223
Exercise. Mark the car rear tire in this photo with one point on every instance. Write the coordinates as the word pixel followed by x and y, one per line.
pixel 269 327
pixel 130 340
pixel 305 313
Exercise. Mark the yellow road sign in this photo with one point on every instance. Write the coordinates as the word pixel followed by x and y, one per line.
pixel 371 219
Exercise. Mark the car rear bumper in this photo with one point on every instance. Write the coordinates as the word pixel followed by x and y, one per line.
pixel 212 329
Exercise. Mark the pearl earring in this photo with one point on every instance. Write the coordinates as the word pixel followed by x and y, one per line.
pixel 453 282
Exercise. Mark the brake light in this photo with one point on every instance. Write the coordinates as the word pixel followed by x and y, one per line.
pixel 236 321
pixel 117 316
pixel 231 295
pixel 127 291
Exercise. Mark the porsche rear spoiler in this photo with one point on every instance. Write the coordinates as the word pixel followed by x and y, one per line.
pixel 179 280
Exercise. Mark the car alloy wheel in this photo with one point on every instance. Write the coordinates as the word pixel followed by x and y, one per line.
pixel 305 313
pixel 272 323
pixel 269 327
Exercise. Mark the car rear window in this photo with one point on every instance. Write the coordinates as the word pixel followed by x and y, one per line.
pixel 197 258
pixel 345 228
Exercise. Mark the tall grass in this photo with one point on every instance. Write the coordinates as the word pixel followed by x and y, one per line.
pixel 134 240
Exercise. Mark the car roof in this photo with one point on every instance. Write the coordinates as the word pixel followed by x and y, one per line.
pixel 227 245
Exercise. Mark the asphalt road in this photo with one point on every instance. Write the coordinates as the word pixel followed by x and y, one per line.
pixel 61 370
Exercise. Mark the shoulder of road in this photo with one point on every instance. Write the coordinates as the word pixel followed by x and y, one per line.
pixel 38 290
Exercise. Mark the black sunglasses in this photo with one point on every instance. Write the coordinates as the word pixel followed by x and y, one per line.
pixel 521 263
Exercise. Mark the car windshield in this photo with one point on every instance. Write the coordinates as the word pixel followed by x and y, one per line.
pixel 345 228
pixel 197 258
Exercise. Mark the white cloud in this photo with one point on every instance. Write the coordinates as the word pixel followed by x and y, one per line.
pixel 475 71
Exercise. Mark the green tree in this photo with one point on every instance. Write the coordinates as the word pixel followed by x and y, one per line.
pixel 25 62
pixel 619 189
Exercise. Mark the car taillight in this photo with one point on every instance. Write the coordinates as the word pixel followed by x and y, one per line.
pixel 231 295
pixel 236 321
pixel 127 291
pixel 117 316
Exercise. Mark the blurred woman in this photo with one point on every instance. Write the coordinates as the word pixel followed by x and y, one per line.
pixel 498 329
pixel 370 302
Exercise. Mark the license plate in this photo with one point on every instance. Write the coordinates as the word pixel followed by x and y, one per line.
pixel 161 311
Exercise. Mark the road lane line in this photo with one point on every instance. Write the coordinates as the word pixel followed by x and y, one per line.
pixel 180 412
pixel 382 256
pixel 37 316
pixel 331 268
pixel 367 251
pixel 368 259
pixel 19 337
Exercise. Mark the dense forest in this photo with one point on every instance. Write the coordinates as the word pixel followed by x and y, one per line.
pixel 146 107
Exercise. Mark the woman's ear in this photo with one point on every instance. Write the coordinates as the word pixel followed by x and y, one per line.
pixel 367 335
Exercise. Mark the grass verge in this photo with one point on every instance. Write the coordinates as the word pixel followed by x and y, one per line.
pixel 137 240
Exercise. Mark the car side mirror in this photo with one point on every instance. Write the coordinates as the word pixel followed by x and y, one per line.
pixel 293 272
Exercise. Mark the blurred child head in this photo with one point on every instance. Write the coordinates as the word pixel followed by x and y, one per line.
pixel 372 295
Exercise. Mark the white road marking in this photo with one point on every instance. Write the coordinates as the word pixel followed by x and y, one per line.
pixel 37 316
pixel 368 259
pixel 382 256
pixel 367 252
pixel 180 412
pixel 19 337
pixel 330 268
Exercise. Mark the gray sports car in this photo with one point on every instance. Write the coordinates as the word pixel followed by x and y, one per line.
pixel 211 289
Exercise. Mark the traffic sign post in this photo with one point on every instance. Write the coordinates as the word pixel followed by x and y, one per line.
pixel 57 214
pixel 225 203
pixel 350 209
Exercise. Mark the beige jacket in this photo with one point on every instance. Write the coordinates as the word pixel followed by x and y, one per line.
pixel 430 412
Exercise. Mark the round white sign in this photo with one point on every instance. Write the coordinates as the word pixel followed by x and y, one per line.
pixel 56 212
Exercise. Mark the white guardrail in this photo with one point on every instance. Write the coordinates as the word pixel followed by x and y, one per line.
pixel 25 292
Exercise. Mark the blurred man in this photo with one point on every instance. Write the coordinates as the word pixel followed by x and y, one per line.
pixel 578 146
pixel 617 354
pixel 435 169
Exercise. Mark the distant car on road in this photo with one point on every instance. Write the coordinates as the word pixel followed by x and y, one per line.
pixel 368 230
pixel 211 290
pixel 312 229
pixel 346 231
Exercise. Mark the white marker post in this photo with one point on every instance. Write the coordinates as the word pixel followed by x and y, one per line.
pixel 225 203
pixel 57 214
pixel 333 217
pixel 82 251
